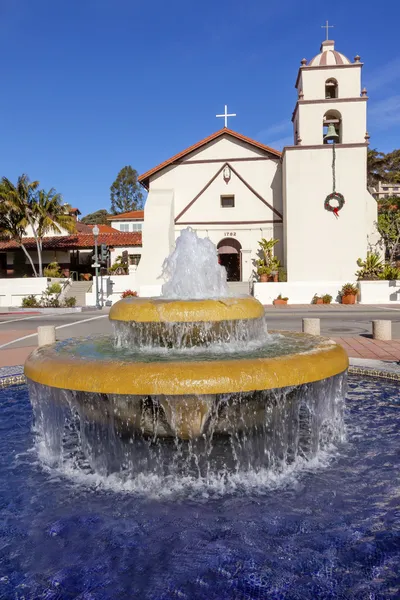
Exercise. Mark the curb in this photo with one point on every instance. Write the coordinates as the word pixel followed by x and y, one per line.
pixel 45 311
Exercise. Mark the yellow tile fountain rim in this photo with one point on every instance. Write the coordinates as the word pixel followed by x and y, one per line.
pixel 161 310
pixel 180 378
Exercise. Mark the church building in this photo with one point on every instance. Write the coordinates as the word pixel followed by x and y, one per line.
pixel 312 197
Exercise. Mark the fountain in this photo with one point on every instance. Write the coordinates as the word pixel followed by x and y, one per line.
pixel 191 381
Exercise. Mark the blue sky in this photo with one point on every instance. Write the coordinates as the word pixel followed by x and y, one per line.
pixel 89 86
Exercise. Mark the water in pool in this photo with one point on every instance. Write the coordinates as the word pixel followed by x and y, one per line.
pixel 329 528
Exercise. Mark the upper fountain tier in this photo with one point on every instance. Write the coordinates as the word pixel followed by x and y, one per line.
pixel 161 322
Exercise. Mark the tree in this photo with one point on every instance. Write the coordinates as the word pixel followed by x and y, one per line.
pixel 126 193
pixel 23 204
pixel 383 167
pixel 375 167
pixel 388 226
pixel 17 208
pixel 12 227
pixel 99 217
pixel 50 215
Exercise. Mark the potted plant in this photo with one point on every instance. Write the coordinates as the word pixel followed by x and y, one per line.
pixel 269 264
pixel 263 271
pixel 349 293
pixel 326 298
pixel 128 294
pixel 317 300
pixel 280 301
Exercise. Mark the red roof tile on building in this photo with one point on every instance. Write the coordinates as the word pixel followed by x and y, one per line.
pixel 132 214
pixel 104 228
pixel 145 178
pixel 82 227
pixel 78 241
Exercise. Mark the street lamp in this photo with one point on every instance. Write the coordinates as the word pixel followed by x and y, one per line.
pixel 96 265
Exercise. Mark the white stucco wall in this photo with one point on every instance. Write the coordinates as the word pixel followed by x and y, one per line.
pixel 111 288
pixel 320 247
pixel 158 236
pixel 354 119
pixel 12 291
pixel 297 292
pixel 249 220
pixel 132 224
pixel 313 81
pixel 379 292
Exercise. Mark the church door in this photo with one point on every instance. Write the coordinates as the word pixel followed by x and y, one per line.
pixel 230 257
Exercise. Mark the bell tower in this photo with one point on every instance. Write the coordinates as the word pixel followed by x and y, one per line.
pixel 324 238
pixel 329 93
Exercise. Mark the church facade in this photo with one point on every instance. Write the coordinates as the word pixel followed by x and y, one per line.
pixel 312 197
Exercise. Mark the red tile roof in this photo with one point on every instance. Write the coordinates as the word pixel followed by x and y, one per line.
pixel 132 214
pixel 145 178
pixel 82 227
pixel 104 228
pixel 78 241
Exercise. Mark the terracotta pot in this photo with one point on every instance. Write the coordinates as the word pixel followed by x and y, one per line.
pixel 279 302
pixel 318 301
pixel 264 278
pixel 349 299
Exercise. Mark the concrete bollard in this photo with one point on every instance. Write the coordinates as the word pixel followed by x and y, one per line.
pixel 382 330
pixel 46 335
pixel 311 326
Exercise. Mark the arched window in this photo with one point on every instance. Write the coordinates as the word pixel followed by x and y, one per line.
pixel 332 127
pixel 331 88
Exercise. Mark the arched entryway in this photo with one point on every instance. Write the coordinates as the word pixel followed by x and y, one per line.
pixel 230 257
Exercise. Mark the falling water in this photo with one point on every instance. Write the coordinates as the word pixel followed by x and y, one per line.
pixel 192 269
pixel 82 433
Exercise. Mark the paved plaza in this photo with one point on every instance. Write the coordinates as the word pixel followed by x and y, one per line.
pixel 349 326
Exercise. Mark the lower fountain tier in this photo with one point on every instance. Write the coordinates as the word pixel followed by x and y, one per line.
pixel 185 390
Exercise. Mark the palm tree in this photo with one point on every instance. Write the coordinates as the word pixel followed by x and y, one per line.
pixel 12 226
pixel 50 216
pixel 18 207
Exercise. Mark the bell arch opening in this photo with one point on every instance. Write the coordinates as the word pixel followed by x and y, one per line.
pixel 331 88
pixel 230 257
pixel 332 127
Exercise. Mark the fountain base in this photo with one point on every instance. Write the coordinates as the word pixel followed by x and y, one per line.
pixel 171 397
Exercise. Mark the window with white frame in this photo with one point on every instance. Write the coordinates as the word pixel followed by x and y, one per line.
pixel 137 226
pixel 124 227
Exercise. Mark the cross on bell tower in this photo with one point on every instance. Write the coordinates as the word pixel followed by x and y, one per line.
pixel 327 27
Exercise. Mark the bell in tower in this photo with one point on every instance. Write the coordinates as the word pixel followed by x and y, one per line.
pixel 332 136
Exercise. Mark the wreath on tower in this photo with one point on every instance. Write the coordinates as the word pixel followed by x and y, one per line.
pixel 334 201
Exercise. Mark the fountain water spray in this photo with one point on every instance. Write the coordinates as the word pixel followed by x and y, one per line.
pixel 192 269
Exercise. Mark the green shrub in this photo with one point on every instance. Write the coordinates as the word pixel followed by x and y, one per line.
pixel 390 272
pixel 54 288
pixel 47 302
pixel 371 267
pixel 52 270
pixel 327 298
pixel 282 274
pixel 70 302
pixel 30 302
